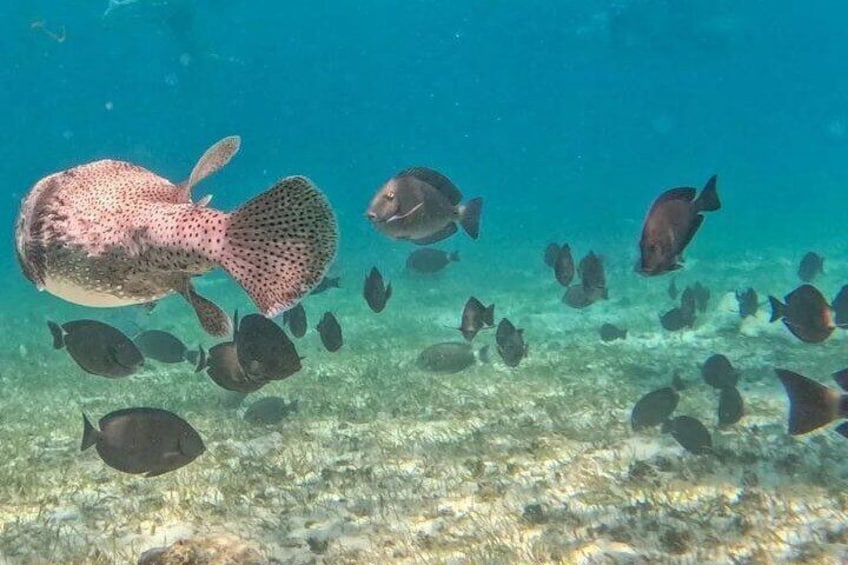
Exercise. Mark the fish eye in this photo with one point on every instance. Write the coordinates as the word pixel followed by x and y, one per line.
pixel 390 196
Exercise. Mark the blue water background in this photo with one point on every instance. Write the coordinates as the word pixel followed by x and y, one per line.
pixel 567 117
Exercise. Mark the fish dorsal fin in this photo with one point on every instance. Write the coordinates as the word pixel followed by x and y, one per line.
pixel 210 162
pixel 686 193
pixel 435 179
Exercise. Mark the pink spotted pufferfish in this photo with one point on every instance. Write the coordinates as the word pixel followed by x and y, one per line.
pixel 111 233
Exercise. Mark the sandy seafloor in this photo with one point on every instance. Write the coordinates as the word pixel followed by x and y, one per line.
pixel 387 463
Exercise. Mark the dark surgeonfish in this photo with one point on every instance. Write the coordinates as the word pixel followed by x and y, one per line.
pixel 690 433
pixel 670 225
pixel 423 206
pixel 97 348
pixel 326 284
pixel 683 316
pixel 295 319
pixel 161 346
pixel 330 332
pixel 551 253
pixel 222 366
pixel 269 410
pixel 718 372
pixel 510 343
pixel 811 266
pixel 577 296
pixel 812 404
pixel 375 292
pixel 564 266
pixel 428 261
pixel 450 357
pixel 656 407
pixel 840 307
pixel 143 440
pixel 731 408
pixel 592 276
pixel 610 332
pixel 476 316
pixel 111 233
pixel 806 314
pixel 264 350
pixel 701 296
pixel 749 302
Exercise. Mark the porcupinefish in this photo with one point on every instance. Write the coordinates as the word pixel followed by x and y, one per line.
pixel 111 233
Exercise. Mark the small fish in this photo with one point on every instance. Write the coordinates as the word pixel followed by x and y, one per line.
pixel 111 233
pixel 690 433
pixel 510 343
pixel 423 206
pixel 689 299
pixel 654 408
pixel 161 346
pixel 143 440
pixel 295 319
pixel 718 372
pixel 840 307
pixel 672 291
pixel 592 276
pixel 269 410
pixel 670 225
pixel 702 296
pixel 749 302
pixel 450 357
pixel 428 261
pixel 326 284
pixel 677 319
pixel 330 332
pixel 564 266
pixel 812 404
pixel 376 294
pixel 231 399
pixel 811 266
pixel 222 366
pixel 551 254
pixel 730 406
pixel 97 348
pixel 609 332
pixel 476 316
pixel 806 314
pixel 264 350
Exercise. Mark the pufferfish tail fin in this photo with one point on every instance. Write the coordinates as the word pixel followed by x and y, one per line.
pixel 279 245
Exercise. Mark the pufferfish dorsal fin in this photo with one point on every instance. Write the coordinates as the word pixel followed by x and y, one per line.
pixel 210 162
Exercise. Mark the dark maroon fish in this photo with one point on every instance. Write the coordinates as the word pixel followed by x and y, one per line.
pixel 654 408
pixel 375 292
pixel 476 316
pixel 731 407
pixel 811 266
pixel 670 225
pixel 840 307
pixel 806 314
pixel 610 332
pixel 97 348
pixel 223 367
pixel 551 253
pixel 690 433
pixel 812 404
pixel 428 261
pixel 510 343
pixel 161 346
pixel 330 332
pixel 326 284
pixel 592 276
pixel 718 372
pixel 749 302
pixel 295 319
pixel 564 266
pixel 578 296
pixel 264 350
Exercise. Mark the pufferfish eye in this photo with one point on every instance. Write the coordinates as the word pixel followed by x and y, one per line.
pixel 390 196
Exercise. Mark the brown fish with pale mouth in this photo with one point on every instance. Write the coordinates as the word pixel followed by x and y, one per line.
pixel 111 233
pixel 672 222
pixel 423 206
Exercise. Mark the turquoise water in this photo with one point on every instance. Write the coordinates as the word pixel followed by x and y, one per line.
pixel 568 118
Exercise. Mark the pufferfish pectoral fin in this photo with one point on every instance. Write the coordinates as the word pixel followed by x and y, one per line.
pixel 215 158
pixel 214 320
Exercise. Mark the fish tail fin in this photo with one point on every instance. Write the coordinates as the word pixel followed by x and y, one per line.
pixel 279 245
pixel 778 309
pixel 89 434
pixel 708 200
pixel 453 256
pixel 58 335
pixel 469 217
pixel 489 315
pixel 811 404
